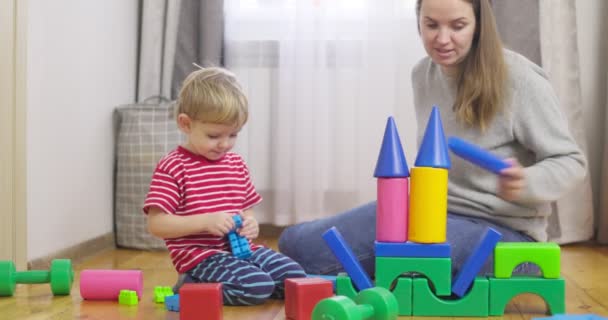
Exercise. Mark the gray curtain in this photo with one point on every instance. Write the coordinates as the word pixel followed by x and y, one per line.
pixel 200 38
pixel 158 30
pixel 602 232
pixel 545 32
pixel 518 24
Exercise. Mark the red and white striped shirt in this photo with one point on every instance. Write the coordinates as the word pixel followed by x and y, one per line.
pixel 185 184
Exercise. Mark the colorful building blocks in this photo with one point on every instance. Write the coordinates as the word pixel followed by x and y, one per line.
pixel 412 250
pixel 347 258
pixel 508 255
pixel 128 298
pixel 438 270
pixel 238 244
pixel 393 184
pixel 172 303
pixel 161 292
pixel 195 297
pixel 551 290
pixel 373 303
pixel 302 294
pixel 60 276
pixel 477 155
pixel 474 304
pixel 484 248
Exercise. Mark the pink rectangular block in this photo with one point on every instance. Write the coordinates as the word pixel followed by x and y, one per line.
pixel 392 211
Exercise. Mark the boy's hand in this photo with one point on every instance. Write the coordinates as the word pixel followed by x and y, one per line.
pixel 512 181
pixel 219 223
pixel 250 229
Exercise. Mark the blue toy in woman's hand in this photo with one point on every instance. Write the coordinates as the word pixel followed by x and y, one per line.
pixel 477 155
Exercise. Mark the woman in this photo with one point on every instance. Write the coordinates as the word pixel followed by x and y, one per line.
pixel 493 97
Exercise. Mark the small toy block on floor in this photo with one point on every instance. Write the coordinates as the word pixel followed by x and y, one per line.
pixel 128 298
pixel 302 294
pixel 553 291
pixel 239 244
pixel 477 155
pixel 172 303
pixel 347 258
pixel 373 303
pixel 484 248
pixel 412 250
pixel 403 294
pixel 508 255
pixel 344 286
pixel 473 304
pixel 438 270
pixel 391 160
pixel 194 297
pixel 161 292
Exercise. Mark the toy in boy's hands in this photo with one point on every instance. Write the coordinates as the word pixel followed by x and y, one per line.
pixel 512 181
pixel 239 244
pixel 250 229
pixel 219 223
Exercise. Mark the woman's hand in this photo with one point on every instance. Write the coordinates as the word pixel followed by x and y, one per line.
pixel 251 228
pixel 219 223
pixel 511 181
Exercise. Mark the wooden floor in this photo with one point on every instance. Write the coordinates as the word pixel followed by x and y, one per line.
pixel 585 269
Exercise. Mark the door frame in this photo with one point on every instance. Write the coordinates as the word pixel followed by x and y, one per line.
pixel 13 93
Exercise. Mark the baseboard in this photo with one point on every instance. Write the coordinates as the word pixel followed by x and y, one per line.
pixel 76 253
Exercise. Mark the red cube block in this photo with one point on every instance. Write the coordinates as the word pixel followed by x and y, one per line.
pixel 200 301
pixel 302 294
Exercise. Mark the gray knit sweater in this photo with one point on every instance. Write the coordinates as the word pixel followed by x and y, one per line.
pixel 531 128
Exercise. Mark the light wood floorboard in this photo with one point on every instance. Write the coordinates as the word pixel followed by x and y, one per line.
pixel 583 266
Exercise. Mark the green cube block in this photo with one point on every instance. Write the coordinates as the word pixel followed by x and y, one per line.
pixel 344 286
pixel 508 255
pixel 553 291
pixel 438 270
pixel 128 297
pixel 473 304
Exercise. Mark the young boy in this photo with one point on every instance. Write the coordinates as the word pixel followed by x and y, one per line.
pixel 197 188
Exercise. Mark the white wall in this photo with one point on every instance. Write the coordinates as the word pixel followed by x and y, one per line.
pixel 593 48
pixel 81 60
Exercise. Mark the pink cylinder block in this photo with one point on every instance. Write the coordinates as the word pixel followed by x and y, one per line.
pixel 392 210
pixel 106 284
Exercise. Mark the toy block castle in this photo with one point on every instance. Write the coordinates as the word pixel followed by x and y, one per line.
pixel 412 255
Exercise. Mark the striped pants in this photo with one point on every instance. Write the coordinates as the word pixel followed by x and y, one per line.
pixel 247 281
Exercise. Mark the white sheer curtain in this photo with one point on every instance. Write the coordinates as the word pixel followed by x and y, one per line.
pixel 322 77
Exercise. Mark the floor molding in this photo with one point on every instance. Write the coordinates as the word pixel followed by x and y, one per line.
pixel 75 253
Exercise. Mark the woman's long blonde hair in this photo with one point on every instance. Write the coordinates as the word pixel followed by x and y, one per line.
pixel 482 76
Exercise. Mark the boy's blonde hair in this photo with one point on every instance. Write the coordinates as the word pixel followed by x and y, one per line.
pixel 213 95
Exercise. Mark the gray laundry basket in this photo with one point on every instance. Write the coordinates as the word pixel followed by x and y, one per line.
pixel 145 133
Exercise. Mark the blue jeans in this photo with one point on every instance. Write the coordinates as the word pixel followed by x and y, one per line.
pixel 304 244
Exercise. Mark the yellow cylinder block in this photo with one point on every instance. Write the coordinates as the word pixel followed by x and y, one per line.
pixel 428 205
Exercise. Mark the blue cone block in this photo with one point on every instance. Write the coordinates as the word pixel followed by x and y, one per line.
pixel 391 160
pixel 433 151
pixel 477 155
